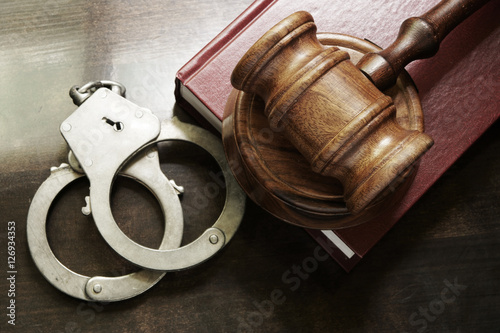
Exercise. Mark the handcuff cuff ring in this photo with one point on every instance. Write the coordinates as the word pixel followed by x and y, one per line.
pixel 206 245
pixel 99 288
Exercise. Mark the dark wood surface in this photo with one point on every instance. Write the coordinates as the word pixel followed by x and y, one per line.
pixel 450 237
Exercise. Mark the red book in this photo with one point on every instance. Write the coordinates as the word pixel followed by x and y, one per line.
pixel 459 87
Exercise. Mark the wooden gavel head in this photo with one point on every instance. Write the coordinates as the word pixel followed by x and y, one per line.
pixel 331 113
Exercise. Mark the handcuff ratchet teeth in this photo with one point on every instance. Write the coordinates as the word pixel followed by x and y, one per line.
pixel 109 135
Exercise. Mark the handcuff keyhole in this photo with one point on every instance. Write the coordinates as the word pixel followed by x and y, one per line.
pixel 117 126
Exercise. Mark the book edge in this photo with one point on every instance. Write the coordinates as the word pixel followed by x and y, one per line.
pixel 399 215
pixel 213 50
pixel 219 42
pixel 345 261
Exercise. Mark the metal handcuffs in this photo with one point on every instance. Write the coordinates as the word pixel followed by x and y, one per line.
pixel 104 133
pixel 99 288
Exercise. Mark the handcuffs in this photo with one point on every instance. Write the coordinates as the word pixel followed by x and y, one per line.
pixel 109 135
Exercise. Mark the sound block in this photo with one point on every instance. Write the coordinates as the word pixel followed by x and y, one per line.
pixel 278 178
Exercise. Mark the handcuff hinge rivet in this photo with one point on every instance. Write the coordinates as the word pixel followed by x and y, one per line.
pixel 97 288
pixel 66 127
pixel 214 239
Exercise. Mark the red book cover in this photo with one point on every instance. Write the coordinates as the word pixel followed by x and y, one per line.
pixel 458 87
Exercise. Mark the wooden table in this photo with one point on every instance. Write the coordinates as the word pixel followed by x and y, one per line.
pixel 438 270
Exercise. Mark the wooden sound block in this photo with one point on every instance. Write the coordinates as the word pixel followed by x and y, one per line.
pixel 278 178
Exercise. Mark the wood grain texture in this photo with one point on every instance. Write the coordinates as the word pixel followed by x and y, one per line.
pixel 331 113
pixel 451 234
pixel 418 38
pixel 261 158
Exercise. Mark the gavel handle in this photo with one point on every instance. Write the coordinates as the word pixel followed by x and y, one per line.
pixel 418 38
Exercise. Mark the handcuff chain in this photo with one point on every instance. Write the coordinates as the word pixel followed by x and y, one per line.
pixel 81 94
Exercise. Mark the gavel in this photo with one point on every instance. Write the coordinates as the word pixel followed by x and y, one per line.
pixel 335 113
